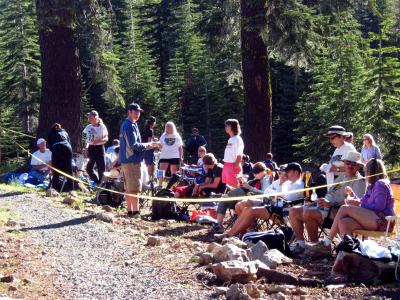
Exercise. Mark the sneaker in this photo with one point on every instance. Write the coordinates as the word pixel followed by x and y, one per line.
pixel 320 250
pixel 297 249
pixel 217 229
pixel 129 214
pixel 135 215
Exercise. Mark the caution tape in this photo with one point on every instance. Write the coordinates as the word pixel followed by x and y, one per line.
pixel 17 132
pixel 200 200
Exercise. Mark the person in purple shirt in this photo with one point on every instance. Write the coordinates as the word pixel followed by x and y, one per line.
pixel 367 213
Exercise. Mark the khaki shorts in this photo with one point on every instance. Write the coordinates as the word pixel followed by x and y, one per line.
pixel 132 178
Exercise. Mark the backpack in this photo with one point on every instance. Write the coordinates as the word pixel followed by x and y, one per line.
pixel 164 209
pixel 274 238
pixel 108 198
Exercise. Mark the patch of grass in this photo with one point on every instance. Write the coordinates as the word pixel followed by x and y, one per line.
pixel 4 215
pixel 15 187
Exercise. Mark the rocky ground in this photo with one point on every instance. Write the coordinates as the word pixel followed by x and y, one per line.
pixel 75 250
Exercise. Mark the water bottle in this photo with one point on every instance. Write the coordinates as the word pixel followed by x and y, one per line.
pixel 314 196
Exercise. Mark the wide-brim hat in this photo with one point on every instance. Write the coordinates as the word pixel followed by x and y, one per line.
pixel 336 129
pixel 353 156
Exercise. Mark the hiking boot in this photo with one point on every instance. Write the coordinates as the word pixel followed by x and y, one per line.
pixel 297 249
pixel 217 229
pixel 320 250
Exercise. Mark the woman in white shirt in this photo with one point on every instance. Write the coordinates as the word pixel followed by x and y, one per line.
pixel 171 150
pixel 96 136
pixel 233 153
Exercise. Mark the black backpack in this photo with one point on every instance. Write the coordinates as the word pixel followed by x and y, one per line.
pixel 109 198
pixel 164 209
pixel 274 238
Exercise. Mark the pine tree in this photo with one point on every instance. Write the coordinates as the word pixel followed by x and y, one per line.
pixel 338 91
pixel 19 63
pixel 384 78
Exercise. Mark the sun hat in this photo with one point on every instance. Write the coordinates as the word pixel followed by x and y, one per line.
pixel 336 129
pixel 353 156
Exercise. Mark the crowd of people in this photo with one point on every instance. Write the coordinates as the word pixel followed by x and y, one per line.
pixel 351 202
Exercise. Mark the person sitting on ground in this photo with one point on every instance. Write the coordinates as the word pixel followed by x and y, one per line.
pixel 251 214
pixel 200 153
pixel 370 149
pixel 257 186
pixel 313 215
pixel 335 167
pixel 213 179
pixel 247 166
pixel 270 163
pixel 110 153
pixel 367 213
pixel 40 161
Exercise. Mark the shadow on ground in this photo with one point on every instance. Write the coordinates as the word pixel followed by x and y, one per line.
pixel 72 222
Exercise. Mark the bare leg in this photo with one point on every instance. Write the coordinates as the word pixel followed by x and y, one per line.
pixel 220 219
pixel 365 217
pixel 312 219
pixel 348 225
pixel 164 167
pixel 132 203
pixel 248 216
pixel 174 169
pixel 241 205
pixel 150 170
pixel 296 220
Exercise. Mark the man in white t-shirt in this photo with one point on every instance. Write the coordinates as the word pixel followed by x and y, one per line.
pixel 39 160
pixel 337 135
pixel 233 153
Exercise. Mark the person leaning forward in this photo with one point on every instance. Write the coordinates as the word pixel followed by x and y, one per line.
pixel 131 156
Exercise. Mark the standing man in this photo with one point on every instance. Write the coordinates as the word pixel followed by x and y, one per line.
pixel 193 143
pixel 131 156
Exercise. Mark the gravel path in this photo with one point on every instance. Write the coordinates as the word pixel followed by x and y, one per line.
pixel 92 259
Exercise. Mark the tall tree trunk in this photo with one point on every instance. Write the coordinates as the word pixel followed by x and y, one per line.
pixel 61 72
pixel 256 80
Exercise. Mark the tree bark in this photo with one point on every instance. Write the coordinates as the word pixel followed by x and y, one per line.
pixel 61 72
pixel 256 80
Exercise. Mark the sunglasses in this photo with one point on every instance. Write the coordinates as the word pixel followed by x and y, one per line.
pixel 333 137
pixel 350 163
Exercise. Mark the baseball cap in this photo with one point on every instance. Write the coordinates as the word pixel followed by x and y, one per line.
pixel 41 140
pixel 93 113
pixel 134 106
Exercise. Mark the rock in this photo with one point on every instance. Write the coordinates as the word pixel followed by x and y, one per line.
pixel 211 247
pixel 280 296
pixel 252 290
pixel 300 291
pixel 11 223
pixel 206 258
pixel 163 222
pixel 153 240
pixel 27 281
pixel 221 290
pixel 194 259
pixel 272 289
pixel 52 193
pixel 68 200
pixel 197 244
pixel 235 271
pixel 105 217
pixel 272 258
pixel 258 250
pixel 229 252
pixel 107 208
pixel 303 297
pixel 244 296
pixel 199 250
pixel 334 286
pixel 7 279
pixel 356 268
pixel 234 291
pixel 234 241
pixel 12 288
pixel 73 194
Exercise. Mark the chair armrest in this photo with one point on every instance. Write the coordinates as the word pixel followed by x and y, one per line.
pixel 392 218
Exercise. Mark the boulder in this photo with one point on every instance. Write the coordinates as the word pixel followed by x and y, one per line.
pixel 273 258
pixel 280 296
pixel 221 290
pixel 107 208
pixel 206 258
pixel 153 240
pixel 258 250
pixel 105 217
pixel 356 268
pixel 235 271
pixel 68 200
pixel 234 241
pixel 229 252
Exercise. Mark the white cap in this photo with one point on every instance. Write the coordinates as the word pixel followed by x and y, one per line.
pixel 41 140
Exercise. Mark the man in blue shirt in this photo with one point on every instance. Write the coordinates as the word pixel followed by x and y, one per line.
pixel 131 157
